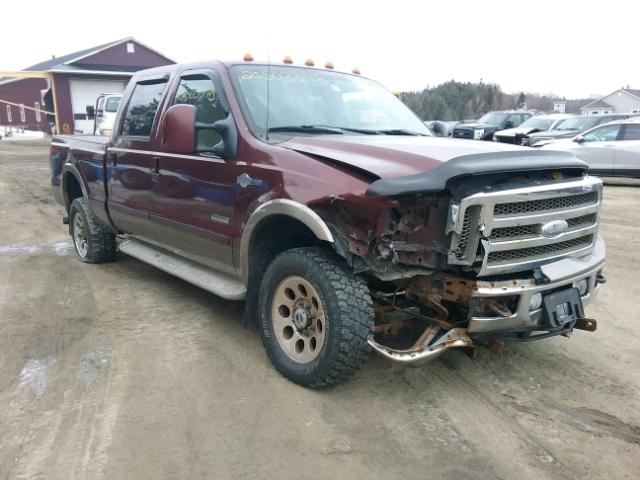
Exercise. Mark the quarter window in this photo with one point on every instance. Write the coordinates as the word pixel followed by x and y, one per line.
pixel 200 91
pixel 142 109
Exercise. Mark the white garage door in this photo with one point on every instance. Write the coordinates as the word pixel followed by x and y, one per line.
pixel 85 92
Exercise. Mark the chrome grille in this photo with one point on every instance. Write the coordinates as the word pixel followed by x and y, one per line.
pixel 528 230
pixel 552 248
pixel 464 235
pixel 549 204
pixel 504 232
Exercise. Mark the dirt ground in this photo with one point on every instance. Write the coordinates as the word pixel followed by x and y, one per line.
pixel 120 371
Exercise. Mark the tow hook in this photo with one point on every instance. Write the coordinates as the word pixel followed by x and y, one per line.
pixel 587 324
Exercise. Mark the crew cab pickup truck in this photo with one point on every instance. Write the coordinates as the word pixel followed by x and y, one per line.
pixel 320 200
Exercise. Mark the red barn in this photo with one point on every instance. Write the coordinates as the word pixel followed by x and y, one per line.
pixel 65 85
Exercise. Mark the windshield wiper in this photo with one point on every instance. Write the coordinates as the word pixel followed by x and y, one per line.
pixel 401 131
pixel 306 129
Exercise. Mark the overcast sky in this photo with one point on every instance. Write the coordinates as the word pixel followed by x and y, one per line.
pixel 569 48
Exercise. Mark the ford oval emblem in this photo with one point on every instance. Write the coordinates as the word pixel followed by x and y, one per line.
pixel 554 228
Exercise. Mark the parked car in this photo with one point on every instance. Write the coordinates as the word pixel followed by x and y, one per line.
pixel 488 124
pixel 326 205
pixel 569 128
pixel 539 123
pixel 103 113
pixel 611 150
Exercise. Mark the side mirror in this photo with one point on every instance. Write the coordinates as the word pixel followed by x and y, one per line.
pixel 227 147
pixel 91 112
pixel 178 133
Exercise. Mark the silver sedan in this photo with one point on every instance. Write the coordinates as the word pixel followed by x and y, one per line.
pixel 611 150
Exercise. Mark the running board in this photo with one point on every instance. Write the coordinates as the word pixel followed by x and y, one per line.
pixel 203 277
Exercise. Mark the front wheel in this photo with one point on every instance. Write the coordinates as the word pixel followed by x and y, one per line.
pixel 315 316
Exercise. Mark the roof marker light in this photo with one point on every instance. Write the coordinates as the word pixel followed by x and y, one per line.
pixel 248 57
pixel 287 60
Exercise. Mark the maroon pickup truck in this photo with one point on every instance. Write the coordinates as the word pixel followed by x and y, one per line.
pixel 323 202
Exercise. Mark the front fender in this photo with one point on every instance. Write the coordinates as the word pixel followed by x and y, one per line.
pixel 285 207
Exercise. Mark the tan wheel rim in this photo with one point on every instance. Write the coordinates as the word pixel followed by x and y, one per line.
pixel 298 319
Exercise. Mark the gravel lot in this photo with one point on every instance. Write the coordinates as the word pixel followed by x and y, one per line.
pixel 120 371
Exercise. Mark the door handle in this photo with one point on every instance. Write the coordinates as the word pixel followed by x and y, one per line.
pixel 155 170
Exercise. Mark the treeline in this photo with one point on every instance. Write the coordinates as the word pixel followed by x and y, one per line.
pixel 461 101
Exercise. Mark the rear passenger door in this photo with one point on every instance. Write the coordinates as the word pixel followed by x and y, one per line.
pixel 196 193
pixel 130 161
pixel 627 152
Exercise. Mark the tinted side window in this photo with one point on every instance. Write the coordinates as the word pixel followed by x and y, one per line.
pixel 515 120
pixel 142 109
pixel 201 92
pixel 608 133
pixel 632 132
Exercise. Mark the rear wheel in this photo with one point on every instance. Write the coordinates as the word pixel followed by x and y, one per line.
pixel 315 316
pixel 91 241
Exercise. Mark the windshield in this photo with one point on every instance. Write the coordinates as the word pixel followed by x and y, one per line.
pixel 537 123
pixel 112 104
pixel 579 123
pixel 495 118
pixel 318 98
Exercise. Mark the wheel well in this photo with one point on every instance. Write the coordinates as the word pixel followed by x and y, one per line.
pixel 73 189
pixel 274 235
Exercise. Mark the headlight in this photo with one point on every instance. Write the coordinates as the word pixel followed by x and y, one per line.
pixel 477 134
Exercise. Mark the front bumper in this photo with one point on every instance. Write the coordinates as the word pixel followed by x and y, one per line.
pixel 565 273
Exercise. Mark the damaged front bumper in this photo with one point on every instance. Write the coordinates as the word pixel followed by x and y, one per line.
pixel 514 323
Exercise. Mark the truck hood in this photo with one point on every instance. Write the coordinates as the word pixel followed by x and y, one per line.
pixel 387 156
pixel 556 133
pixel 476 125
pixel 512 132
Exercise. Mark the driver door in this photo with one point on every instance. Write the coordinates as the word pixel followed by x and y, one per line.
pixel 196 193
pixel 597 147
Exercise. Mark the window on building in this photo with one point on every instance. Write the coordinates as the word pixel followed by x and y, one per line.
pixel 9 119
pixel 23 116
pixel 131 48
pixel 631 132
pixel 200 91
pixel 142 108
pixel 37 110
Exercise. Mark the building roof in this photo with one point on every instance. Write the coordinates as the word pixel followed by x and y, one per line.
pixel 57 62
pixel 634 92
pixel 597 104
pixel 601 104
pixel 64 62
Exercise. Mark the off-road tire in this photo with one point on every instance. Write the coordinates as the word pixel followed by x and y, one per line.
pixel 100 242
pixel 348 316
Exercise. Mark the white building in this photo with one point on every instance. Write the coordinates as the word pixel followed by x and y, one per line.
pixel 624 100
pixel 560 106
